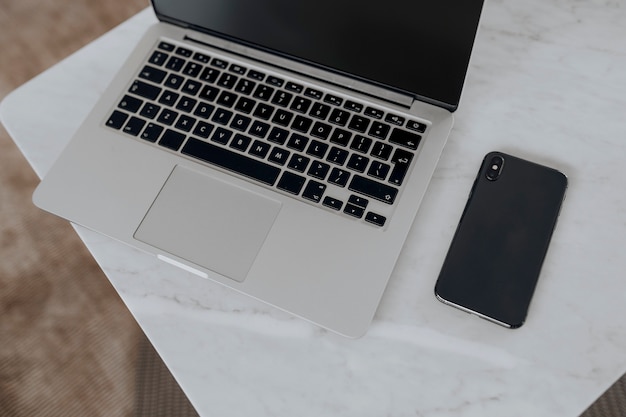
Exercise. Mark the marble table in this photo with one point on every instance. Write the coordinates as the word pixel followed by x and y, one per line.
pixel 547 82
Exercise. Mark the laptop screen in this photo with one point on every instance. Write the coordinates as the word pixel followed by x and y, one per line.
pixel 417 47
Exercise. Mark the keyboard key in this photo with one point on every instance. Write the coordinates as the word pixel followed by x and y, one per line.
pixel 401 160
pixel 381 150
pixel 152 74
pixel 319 111
pixel 201 58
pixel 375 219
pixel 278 135
pixel 208 93
pixel 117 119
pixel 319 170
pixel 150 110
pixel 245 86
pixel 185 123
pixel 191 87
pixel 222 116
pixel 245 105
pixel 152 132
pixel 231 161
pixel 169 98
pixel 339 177
pixel 186 104
pixel 219 63
pixel 260 149
pixel 221 136
pixel 263 92
pixel 227 99
pixel 359 123
pixel 172 140
pixel 282 117
pixel 263 111
pixel 227 80
pixel 332 203
pixel 378 170
pixel 166 46
pixel 146 90
pixel 256 75
pixel 240 142
pixel 298 162
pixel 158 58
pixel 282 98
pixel 317 149
pixel 209 74
pixel 204 110
pixel 297 142
pixel 373 189
pixel 361 144
pixel 167 117
pixel 301 104
pixel 203 129
pixel 404 138
pixel 174 81
pixel 354 211
pixel 192 69
pixel 358 162
pixel 321 130
pixel 293 87
pixel 175 63
pixel 394 119
pixel 340 137
pixel 240 122
pixel 291 183
pixel 314 191
pixel 353 106
pixel 237 69
pixel 379 130
pixel 131 104
pixel 316 94
pixel 337 156
pixel 275 81
pixel 301 124
pixel 332 99
pixel 134 126
pixel 374 113
pixel 358 201
pixel 183 52
pixel 417 126
pixel 339 117
pixel 259 129
pixel 279 156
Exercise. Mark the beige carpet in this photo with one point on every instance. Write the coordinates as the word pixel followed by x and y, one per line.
pixel 68 346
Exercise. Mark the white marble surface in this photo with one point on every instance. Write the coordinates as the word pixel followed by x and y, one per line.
pixel 547 82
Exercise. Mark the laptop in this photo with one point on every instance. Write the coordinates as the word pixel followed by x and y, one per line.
pixel 279 148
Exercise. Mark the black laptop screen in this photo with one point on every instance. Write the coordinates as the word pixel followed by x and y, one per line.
pixel 417 47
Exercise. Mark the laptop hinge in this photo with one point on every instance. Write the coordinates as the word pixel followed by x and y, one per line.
pixel 311 71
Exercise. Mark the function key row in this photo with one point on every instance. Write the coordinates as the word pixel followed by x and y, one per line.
pixel 176 64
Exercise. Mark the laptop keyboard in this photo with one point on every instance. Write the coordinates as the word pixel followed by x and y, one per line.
pixel 343 155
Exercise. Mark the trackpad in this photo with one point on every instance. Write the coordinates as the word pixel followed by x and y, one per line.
pixel 208 222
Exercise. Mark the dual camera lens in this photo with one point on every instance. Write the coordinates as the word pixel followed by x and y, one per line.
pixel 494 169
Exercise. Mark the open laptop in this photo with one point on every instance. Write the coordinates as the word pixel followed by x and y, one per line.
pixel 278 147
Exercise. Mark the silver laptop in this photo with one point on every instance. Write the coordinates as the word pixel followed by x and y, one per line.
pixel 279 148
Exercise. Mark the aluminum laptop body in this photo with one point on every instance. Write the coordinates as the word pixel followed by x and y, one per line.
pixel 267 222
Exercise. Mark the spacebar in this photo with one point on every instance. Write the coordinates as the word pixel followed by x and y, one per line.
pixel 231 161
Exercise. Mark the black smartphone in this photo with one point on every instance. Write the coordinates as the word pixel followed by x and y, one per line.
pixel 495 257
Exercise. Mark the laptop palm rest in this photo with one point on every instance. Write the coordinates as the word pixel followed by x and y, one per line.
pixel 192 209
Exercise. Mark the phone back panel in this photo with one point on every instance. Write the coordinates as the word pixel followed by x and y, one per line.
pixel 495 257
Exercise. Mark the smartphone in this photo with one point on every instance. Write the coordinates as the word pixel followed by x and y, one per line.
pixel 495 257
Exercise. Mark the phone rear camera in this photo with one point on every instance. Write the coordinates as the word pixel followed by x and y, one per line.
pixel 494 168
